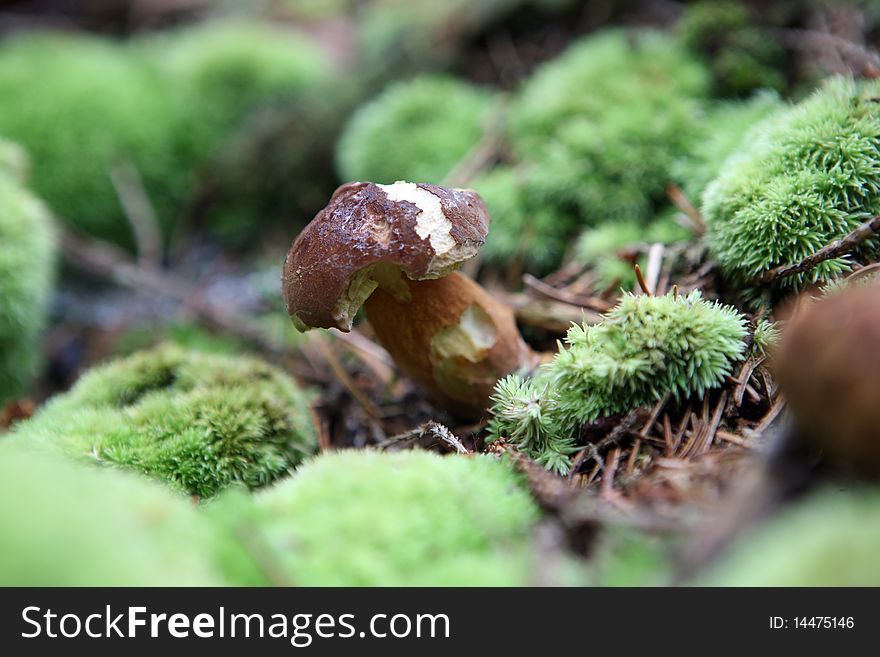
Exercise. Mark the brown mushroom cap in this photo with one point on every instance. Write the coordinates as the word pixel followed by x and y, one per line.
pixel 340 258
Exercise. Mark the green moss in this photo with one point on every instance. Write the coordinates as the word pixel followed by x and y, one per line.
pixel 410 36
pixel 742 55
pixel 81 106
pixel 414 130
pixel 167 104
pixel 365 518
pixel 27 263
pixel 199 422
pixel 520 230
pixel 806 176
pixel 764 338
pixel 828 539
pixel 603 123
pixel 721 132
pixel 645 348
pixel 68 525
pixel 234 77
pixel 226 69
pixel 600 247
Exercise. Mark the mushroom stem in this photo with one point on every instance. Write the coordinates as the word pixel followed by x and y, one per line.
pixel 450 336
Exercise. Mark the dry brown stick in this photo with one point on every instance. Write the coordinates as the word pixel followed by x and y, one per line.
pixel 712 427
pixel 593 473
pixel 578 461
pixel 640 278
pixel 342 375
pixel 767 420
pixel 683 203
pixel 732 438
pixel 607 488
pixel 835 249
pixel 556 294
pixel 633 456
pixel 667 436
pixel 742 380
pixel 682 428
pixel 429 430
pixel 643 434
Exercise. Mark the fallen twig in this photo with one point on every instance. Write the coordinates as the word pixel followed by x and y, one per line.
pixel 683 203
pixel 425 435
pixel 539 286
pixel 835 249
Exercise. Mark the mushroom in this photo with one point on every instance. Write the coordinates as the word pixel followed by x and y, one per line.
pixel 394 249
pixel 828 368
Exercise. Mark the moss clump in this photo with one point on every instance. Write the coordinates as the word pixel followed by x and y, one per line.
pixel 414 130
pixel 644 348
pixel 85 106
pixel 365 518
pixel 806 176
pixel 603 123
pixel 198 422
pixel 740 53
pixel 829 539
pixel 68 525
pixel 80 106
pixel 27 263
pixel 227 69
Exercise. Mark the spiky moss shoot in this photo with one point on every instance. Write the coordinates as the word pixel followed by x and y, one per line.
pixel 828 539
pixel 603 123
pixel 65 524
pixel 806 176
pixel 765 338
pixel 643 349
pixel 196 421
pixel 367 518
pixel 27 264
pixel 604 247
pixel 721 131
pixel 526 413
pixel 82 106
pixel 414 130
pixel 522 230
pixel 741 54
pixel 646 347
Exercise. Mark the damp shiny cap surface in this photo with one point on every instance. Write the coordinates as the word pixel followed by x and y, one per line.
pixel 367 229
